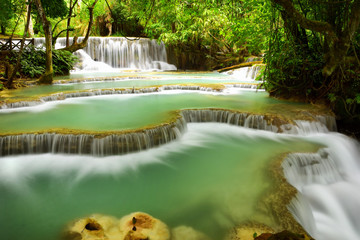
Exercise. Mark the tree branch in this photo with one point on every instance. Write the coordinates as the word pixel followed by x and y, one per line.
pixel 9 82
pixel 75 45
pixel 56 24
pixel 317 26
pixel 353 24
pixel 57 35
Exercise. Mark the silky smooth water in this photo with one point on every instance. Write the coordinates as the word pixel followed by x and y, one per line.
pixel 131 111
pixel 126 81
pixel 106 53
pixel 210 179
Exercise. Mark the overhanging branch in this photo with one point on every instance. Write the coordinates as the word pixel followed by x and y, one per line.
pixel 317 26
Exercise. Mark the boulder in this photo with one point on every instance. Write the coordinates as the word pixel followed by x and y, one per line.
pixel 135 226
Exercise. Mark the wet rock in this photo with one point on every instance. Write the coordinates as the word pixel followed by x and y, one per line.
pixel 139 226
pixel 248 231
pixel 135 226
pixel 284 235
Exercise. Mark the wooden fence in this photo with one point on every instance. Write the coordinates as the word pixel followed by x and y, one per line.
pixel 14 44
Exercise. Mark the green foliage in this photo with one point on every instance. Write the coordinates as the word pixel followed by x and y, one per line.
pixel 296 58
pixel 5 16
pixel 125 22
pixel 63 62
pixel 9 14
pixel 293 71
pixel 211 26
pixel 55 8
pixel 33 62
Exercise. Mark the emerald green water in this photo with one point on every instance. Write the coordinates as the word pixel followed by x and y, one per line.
pixel 120 112
pixel 115 73
pixel 211 179
pixel 140 81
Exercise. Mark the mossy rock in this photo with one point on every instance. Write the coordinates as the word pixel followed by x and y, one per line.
pixel 284 235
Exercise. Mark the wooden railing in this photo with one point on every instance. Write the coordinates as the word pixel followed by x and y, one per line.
pixel 14 44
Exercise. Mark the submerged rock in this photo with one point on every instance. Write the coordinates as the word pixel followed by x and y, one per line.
pixel 187 233
pixel 249 231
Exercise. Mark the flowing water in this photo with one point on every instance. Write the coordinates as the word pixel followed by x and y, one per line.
pixel 107 53
pixel 189 166
pixel 127 81
pixel 210 179
pixel 130 111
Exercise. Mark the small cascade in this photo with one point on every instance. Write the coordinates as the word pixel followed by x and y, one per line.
pixel 328 183
pixel 233 118
pixel 245 86
pixel 323 124
pixel 105 53
pixel 328 121
pixel 20 104
pixel 122 143
pixel 184 87
pixel 246 73
pixel 307 168
pixel 88 64
pixel 92 144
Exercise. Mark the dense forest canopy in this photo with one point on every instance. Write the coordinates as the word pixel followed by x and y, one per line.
pixel 311 48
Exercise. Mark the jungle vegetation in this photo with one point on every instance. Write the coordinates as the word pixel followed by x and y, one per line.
pixel 310 47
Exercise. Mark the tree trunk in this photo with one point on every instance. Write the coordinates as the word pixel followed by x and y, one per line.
pixel 31 26
pixel 338 41
pixel 9 82
pixel 3 30
pixel 69 21
pixel 75 45
pixel 47 77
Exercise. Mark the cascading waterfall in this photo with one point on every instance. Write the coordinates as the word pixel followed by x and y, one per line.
pixel 92 144
pixel 122 143
pixel 328 183
pixel 246 73
pixel 127 142
pixel 233 118
pixel 105 53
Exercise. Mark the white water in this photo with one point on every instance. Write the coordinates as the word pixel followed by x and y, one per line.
pixel 328 202
pixel 113 53
pixel 116 144
pixel 245 73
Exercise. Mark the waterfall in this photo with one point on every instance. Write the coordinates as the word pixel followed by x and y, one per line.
pixel 233 118
pixel 328 182
pixel 245 86
pixel 328 201
pixel 92 144
pixel 246 73
pixel 121 143
pixel 106 53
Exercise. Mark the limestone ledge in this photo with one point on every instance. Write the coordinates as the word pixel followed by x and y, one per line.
pixel 107 143
pixel 39 99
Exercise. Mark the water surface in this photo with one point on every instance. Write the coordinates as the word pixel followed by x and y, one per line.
pixel 211 179
pixel 131 111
